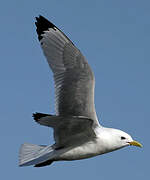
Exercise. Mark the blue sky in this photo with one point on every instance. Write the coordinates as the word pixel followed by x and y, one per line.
pixel 115 38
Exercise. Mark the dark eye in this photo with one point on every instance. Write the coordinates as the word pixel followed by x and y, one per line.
pixel 122 138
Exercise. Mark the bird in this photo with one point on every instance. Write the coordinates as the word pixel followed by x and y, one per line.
pixel 76 128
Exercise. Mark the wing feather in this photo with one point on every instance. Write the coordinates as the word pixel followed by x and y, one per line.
pixel 74 80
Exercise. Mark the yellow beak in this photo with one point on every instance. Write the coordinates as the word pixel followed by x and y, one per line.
pixel 135 143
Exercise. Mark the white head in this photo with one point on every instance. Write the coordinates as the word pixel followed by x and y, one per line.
pixel 113 139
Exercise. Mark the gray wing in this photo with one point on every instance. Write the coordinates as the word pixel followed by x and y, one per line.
pixel 68 131
pixel 74 80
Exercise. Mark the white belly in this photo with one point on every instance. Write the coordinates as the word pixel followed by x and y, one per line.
pixel 87 150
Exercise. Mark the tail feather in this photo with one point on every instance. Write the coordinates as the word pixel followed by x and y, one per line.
pixel 31 154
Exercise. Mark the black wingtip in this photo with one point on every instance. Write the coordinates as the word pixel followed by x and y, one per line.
pixel 46 163
pixel 36 116
pixel 42 24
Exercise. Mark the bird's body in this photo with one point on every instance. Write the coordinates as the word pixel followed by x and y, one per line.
pixel 91 148
pixel 77 132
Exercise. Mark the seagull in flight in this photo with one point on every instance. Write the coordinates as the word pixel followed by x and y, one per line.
pixel 77 132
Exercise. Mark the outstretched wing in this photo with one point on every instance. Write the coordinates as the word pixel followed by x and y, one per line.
pixel 74 80
pixel 68 131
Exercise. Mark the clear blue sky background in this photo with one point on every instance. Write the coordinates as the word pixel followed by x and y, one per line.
pixel 115 38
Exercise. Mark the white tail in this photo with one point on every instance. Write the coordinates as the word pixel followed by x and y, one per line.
pixel 31 154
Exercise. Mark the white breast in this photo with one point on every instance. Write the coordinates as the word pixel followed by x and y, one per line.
pixel 87 150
